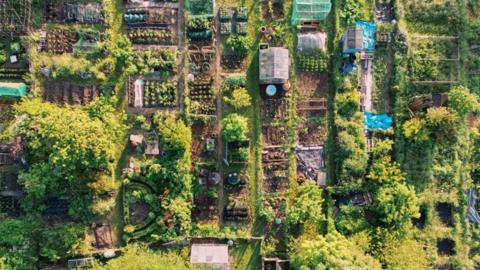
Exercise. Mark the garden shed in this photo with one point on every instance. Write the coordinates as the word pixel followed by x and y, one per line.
pixel 12 90
pixel 214 256
pixel 310 11
pixel 360 38
pixel 274 65
pixel 312 41
pixel 89 13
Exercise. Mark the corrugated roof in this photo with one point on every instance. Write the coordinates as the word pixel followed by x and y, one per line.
pixel 212 254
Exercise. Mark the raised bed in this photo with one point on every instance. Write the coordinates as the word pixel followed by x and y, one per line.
pixel 311 135
pixel 272 9
pixel 63 92
pixel 274 135
pixel 151 36
pixel 160 94
pixel 274 108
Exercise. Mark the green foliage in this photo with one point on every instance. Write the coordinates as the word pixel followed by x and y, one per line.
pixel 351 220
pixel 67 148
pixel 415 130
pixel 307 206
pixel 176 137
pixel 395 205
pixel 238 44
pixel 239 99
pixel 235 128
pixel 138 257
pixel 61 241
pixel 332 251
pixel 347 103
pixel 442 122
pixel 384 171
pixel 196 24
pixel 405 254
pixel 462 101
pixel 160 60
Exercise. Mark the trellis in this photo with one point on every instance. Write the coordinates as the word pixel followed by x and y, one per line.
pixel 15 16
pixel 452 59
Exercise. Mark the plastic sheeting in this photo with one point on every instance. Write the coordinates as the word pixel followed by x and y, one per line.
pixel 312 41
pixel 310 10
pixel 274 65
pixel 378 122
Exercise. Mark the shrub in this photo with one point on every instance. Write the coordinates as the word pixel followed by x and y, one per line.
pixel 235 128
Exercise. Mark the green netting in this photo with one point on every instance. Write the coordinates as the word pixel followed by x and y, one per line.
pixel 200 7
pixel 12 90
pixel 310 10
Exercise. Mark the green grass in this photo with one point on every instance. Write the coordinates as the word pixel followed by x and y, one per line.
pixel 247 255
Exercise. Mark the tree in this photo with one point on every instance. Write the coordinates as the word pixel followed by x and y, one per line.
pixel 332 251
pixel 384 171
pixel 61 241
pixel 67 148
pixel 442 123
pixel 462 101
pixel 137 257
pixel 175 135
pixel 404 254
pixel 395 205
pixel 348 103
pixel 415 130
pixel 239 99
pixel 307 207
pixel 235 128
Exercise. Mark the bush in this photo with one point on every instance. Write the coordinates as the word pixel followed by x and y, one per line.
pixel 239 99
pixel 235 128
pixel 238 44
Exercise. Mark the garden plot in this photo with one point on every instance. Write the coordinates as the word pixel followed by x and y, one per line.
pixel 14 63
pixel 11 193
pixel 274 135
pixel 15 16
pixel 312 84
pixel 274 109
pixel 153 26
pixel 434 59
pixel 445 247
pixel 445 213
pixel 274 208
pixel 311 164
pixel 202 96
pixel 56 210
pixel 205 197
pixel 430 17
pixel 70 12
pixel 275 170
pixel 312 107
pixel 272 9
pixel 204 141
pixel 57 40
pixel 235 187
pixel 153 93
pixel 69 93
pixel 233 28
pixel 311 135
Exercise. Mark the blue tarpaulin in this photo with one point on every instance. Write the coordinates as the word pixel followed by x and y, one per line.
pixel 379 122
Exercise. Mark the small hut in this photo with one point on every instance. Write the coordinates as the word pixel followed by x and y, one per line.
pixel 214 256
pixel 360 38
pixel 274 65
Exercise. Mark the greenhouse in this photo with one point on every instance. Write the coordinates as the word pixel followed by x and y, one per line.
pixel 12 90
pixel 310 11
pixel 200 7
pixel 274 65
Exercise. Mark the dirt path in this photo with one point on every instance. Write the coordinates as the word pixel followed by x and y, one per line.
pixel 183 56
pixel 217 84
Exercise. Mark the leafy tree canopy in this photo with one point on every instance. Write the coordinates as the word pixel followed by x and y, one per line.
pixel 395 204
pixel 307 207
pixel 239 99
pixel 404 254
pixel 462 101
pixel 61 241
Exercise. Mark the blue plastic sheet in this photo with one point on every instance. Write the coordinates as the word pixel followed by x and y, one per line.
pixel 377 121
